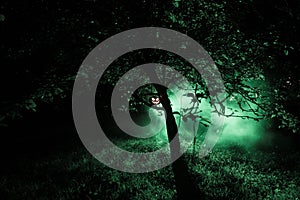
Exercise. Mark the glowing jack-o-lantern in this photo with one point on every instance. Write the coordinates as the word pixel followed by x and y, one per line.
pixel 155 100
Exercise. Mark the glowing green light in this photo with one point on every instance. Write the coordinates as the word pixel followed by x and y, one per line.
pixel 236 130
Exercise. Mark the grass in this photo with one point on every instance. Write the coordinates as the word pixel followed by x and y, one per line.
pixel 229 172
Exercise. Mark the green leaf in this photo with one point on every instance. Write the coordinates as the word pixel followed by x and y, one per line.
pixel 224 56
pixel 219 62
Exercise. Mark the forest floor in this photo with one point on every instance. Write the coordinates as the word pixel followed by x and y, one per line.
pixel 229 172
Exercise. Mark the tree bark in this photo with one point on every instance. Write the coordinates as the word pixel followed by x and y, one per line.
pixel 184 185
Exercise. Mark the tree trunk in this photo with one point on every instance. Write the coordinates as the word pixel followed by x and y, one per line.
pixel 184 186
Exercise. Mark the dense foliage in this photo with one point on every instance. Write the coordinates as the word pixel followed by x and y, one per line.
pixel 254 44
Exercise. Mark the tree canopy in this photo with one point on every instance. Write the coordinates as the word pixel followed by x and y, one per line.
pixel 253 43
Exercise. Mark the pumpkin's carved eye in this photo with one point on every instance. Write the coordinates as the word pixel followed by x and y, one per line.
pixel 155 100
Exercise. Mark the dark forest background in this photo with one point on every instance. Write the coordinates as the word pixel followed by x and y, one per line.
pixel 43 43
